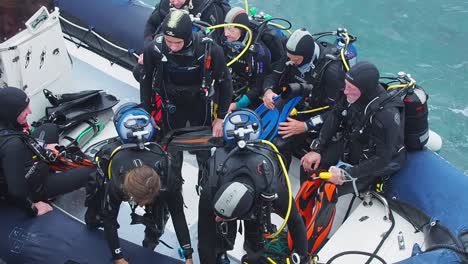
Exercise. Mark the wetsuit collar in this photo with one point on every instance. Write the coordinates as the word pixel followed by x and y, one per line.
pixel 186 51
pixel 311 65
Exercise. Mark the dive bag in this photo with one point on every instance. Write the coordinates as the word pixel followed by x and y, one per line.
pixel 316 201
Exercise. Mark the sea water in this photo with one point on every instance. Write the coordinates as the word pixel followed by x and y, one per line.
pixel 428 39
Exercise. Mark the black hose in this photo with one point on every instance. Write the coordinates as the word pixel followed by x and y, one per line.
pixel 373 254
pixel 445 246
pixel 356 253
pixel 384 238
pixel 261 27
pixel 349 208
pixel 326 33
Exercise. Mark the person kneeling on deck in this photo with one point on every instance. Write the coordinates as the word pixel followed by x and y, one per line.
pixel 134 169
pixel 27 177
pixel 245 182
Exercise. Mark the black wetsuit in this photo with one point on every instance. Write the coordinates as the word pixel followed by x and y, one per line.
pixel 212 243
pixel 377 151
pixel 249 71
pixel 27 177
pixel 327 80
pixel 170 198
pixel 213 15
pixel 178 81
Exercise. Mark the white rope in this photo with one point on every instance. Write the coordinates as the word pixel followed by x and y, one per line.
pixel 97 35
pixel 67 213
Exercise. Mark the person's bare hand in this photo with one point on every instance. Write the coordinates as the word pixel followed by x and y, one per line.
pixel 217 127
pixel 232 107
pixel 268 99
pixel 311 161
pixel 140 59
pixel 51 146
pixel 42 208
pixel 337 175
pixel 291 127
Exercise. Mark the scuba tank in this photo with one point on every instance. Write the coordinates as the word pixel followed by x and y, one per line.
pixel 258 18
pixel 344 43
pixel 416 118
pixel 350 52
pixel 416 111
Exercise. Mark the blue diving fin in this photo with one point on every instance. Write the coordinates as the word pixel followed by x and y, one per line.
pixel 272 118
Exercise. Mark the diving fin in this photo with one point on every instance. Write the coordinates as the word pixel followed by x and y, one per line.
pixel 71 113
pixel 192 139
pixel 272 118
pixel 56 100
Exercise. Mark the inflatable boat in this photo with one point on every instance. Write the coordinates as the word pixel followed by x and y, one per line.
pixel 92 45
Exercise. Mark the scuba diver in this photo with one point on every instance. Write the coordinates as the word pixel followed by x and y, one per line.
pixel 206 12
pixel 318 70
pixel 315 64
pixel 360 143
pixel 186 70
pixel 134 169
pixel 249 71
pixel 25 168
pixel 245 182
pixel 365 129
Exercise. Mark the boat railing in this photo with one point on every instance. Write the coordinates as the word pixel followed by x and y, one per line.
pixel 88 38
pixel 368 202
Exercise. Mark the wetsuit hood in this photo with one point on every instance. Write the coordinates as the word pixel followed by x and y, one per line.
pixel 301 43
pixel 239 16
pixel 179 25
pixel 365 76
pixel 13 102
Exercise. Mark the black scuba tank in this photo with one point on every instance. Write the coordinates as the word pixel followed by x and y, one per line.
pixel 416 118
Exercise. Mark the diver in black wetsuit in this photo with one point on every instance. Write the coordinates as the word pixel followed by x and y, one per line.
pixel 308 62
pixel 176 68
pixel 317 67
pixel 27 179
pixel 371 140
pixel 244 184
pixel 137 172
pixel 250 70
pixel 211 12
